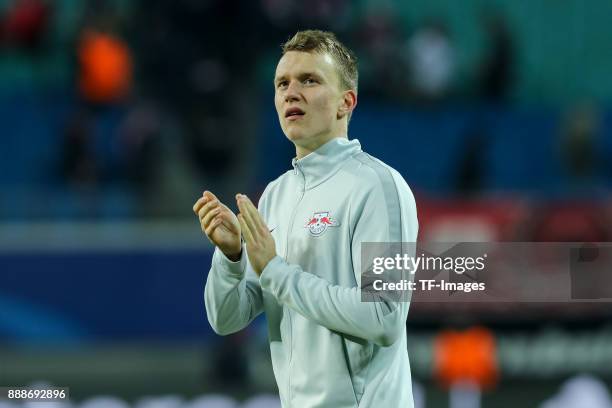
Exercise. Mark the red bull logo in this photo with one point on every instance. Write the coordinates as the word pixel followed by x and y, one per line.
pixel 319 222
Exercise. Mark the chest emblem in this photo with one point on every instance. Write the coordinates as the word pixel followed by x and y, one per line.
pixel 318 223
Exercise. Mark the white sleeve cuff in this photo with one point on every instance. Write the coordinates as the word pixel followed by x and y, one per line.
pixel 236 269
pixel 273 276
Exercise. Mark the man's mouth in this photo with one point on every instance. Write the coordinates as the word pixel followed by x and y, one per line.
pixel 294 113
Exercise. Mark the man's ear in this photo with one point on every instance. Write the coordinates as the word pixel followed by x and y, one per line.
pixel 347 104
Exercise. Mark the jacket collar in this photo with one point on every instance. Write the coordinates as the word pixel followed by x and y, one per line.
pixel 324 162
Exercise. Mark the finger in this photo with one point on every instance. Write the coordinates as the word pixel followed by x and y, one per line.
pixel 209 216
pixel 226 220
pixel 242 207
pixel 206 208
pixel 225 208
pixel 209 195
pixel 254 215
pixel 213 225
pixel 248 219
pixel 261 224
pixel 227 216
pixel 246 231
pixel 198 204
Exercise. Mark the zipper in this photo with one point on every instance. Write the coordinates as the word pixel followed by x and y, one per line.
pixel 291 222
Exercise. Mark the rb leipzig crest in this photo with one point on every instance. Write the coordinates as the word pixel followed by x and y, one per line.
pixel 318 223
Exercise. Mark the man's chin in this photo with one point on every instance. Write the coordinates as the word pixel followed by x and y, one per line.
pixel 294 135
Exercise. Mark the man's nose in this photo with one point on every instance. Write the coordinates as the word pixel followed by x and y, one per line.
pixel 292 94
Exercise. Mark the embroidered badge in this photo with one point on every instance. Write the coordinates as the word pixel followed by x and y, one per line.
pixel 319 222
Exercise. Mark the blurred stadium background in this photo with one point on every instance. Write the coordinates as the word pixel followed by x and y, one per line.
pixel 115 115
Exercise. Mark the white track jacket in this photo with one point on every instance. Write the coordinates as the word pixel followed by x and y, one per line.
pixel 329 349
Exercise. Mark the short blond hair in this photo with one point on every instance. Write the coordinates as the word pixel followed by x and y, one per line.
pixel 322 42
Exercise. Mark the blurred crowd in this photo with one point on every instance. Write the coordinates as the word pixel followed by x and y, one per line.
pixel 163 99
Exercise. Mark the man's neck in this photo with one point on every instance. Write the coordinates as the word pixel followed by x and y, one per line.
pixel 303 151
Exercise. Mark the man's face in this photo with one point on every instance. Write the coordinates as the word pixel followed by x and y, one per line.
pixel 308 98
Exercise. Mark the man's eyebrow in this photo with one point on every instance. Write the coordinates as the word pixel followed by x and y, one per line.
pixel 309 74
pixel 279 78
pixel 301 75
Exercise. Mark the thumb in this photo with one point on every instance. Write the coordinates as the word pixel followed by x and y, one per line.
pixel 226 221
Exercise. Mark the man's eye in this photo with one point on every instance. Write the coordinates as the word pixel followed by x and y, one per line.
pixel 309 81
pixel 281 84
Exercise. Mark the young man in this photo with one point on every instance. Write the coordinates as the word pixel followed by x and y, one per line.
pixel 300 260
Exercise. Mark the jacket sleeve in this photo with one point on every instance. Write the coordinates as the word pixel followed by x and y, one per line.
pixel 379 217
pixel 232 294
